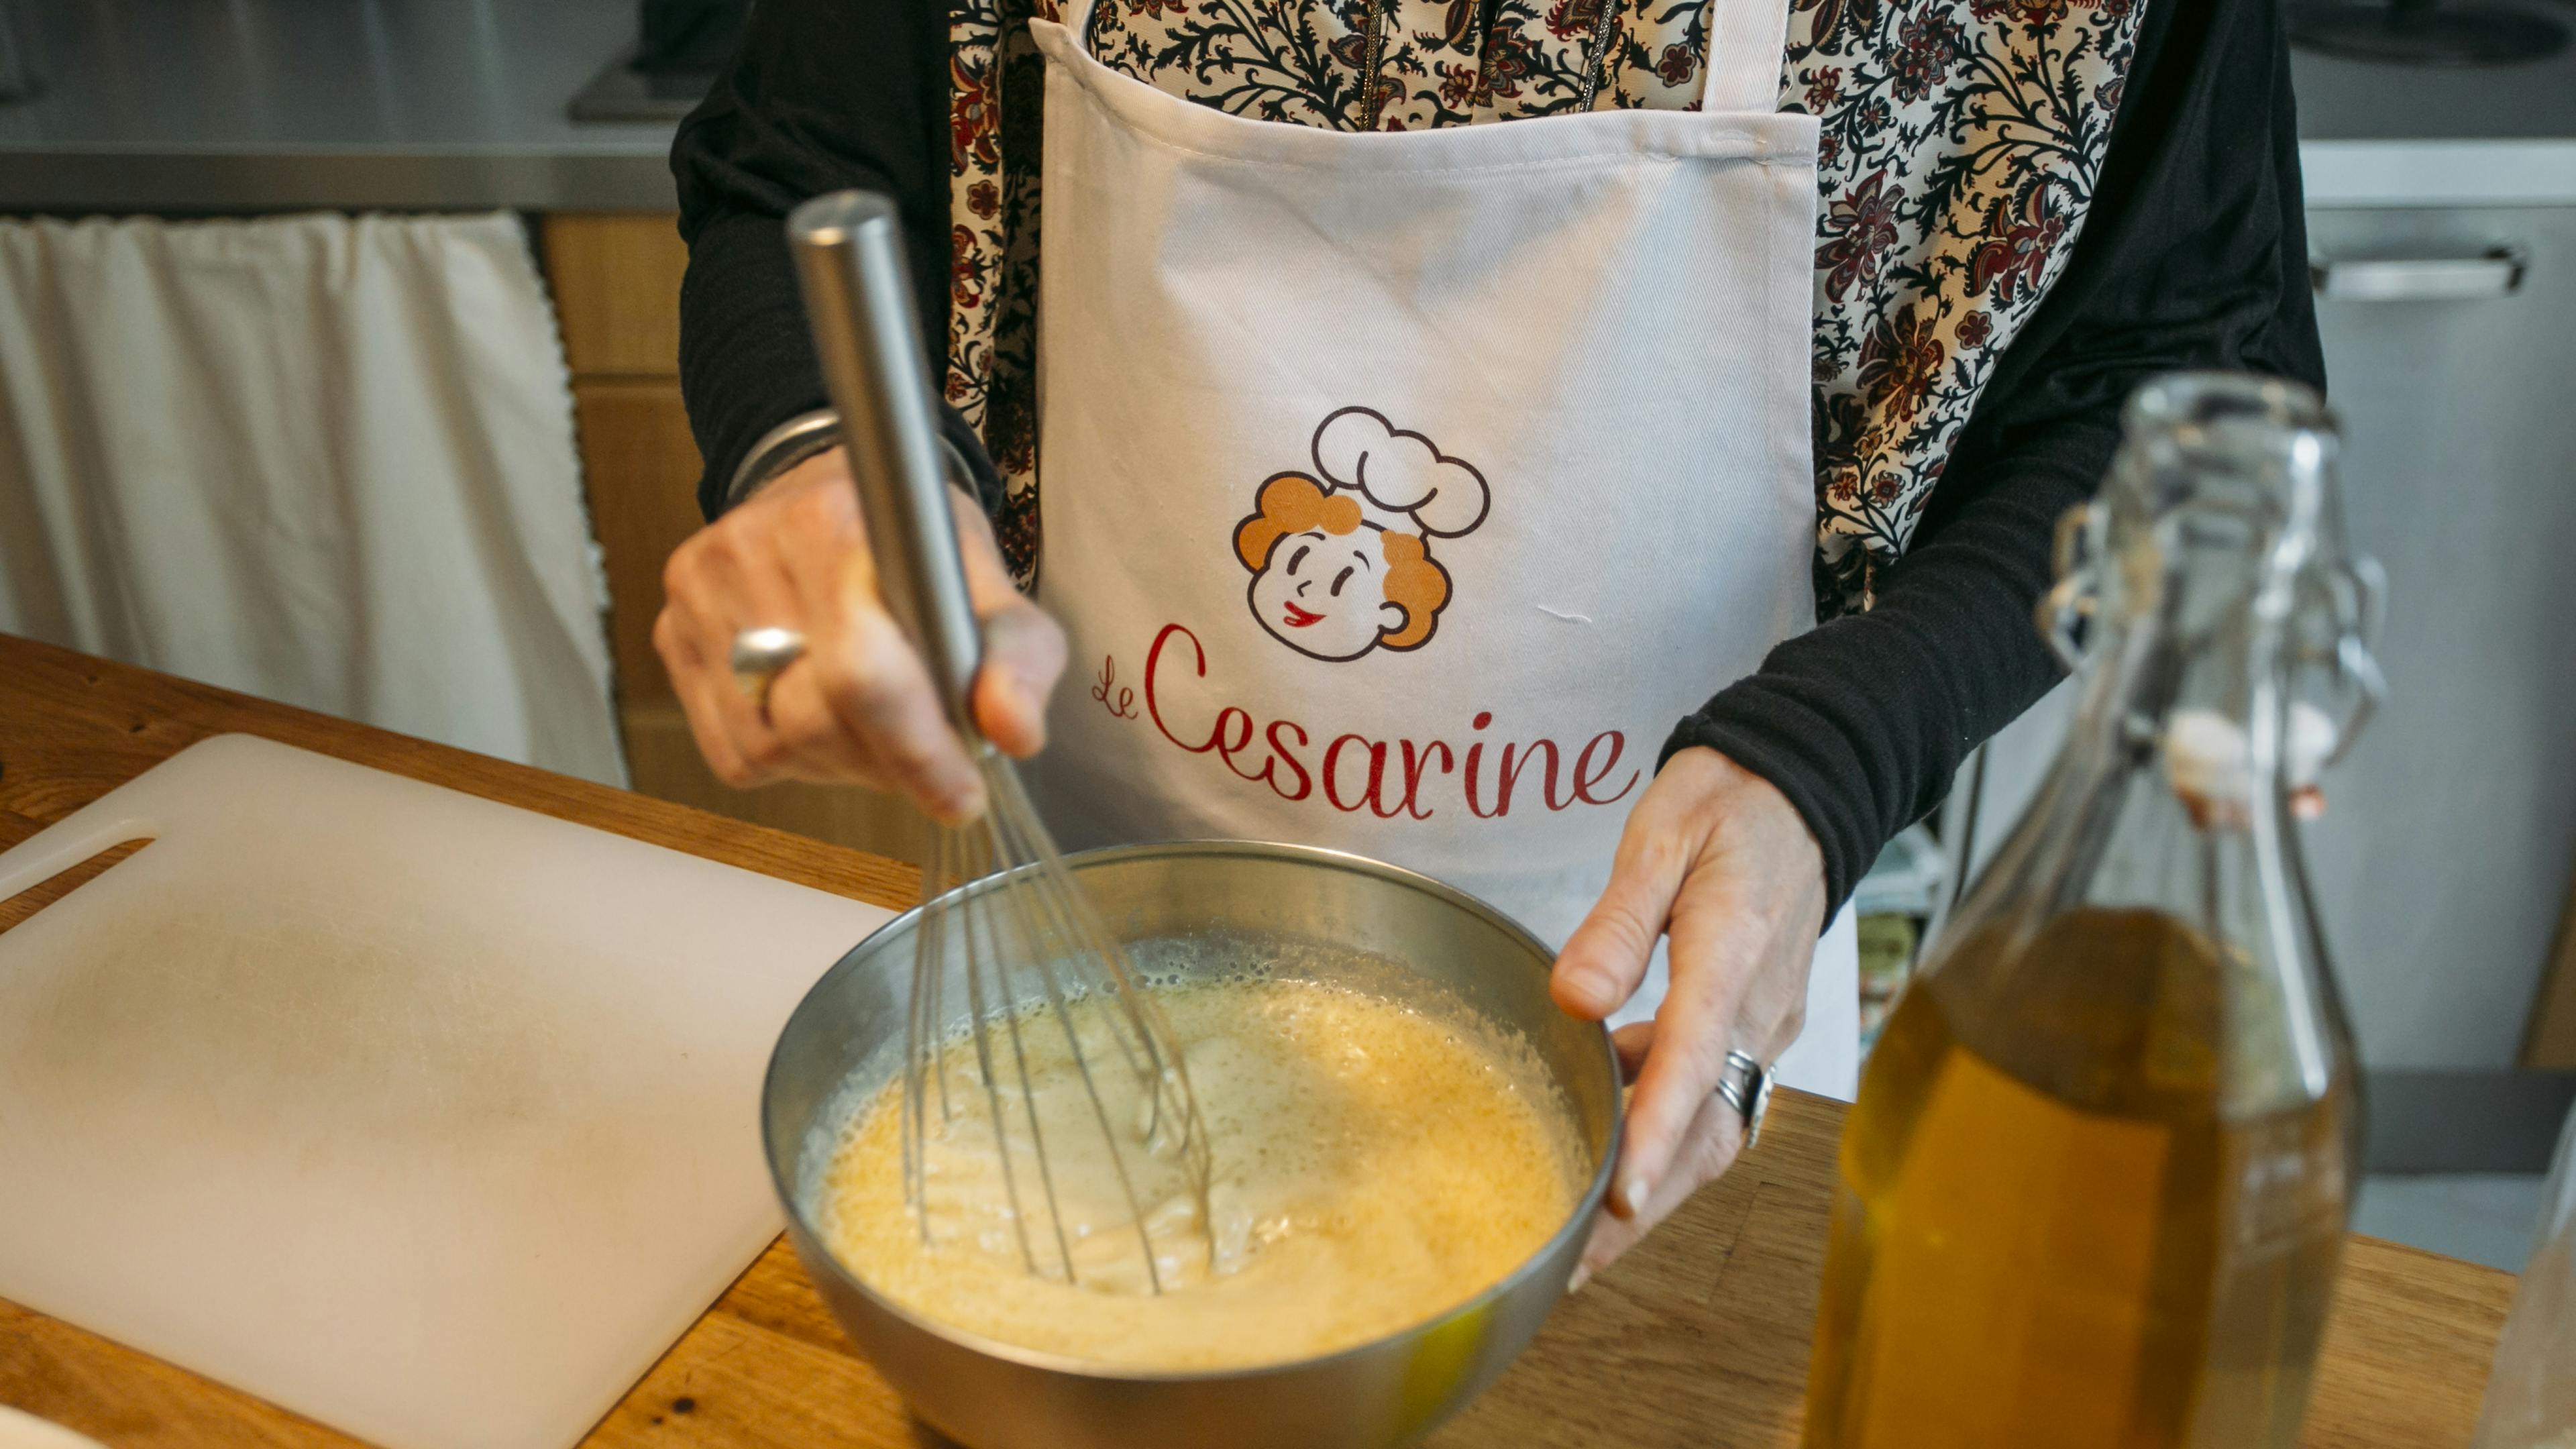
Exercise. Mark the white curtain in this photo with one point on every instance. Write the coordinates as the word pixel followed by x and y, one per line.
pixel 324 459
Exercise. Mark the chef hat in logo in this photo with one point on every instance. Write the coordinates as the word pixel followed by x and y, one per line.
pixel 1405 482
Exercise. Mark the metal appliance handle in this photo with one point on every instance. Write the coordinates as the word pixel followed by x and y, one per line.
pixel 2496 273
pixel 858 301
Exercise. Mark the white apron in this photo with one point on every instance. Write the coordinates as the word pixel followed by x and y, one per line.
pixel 1402 490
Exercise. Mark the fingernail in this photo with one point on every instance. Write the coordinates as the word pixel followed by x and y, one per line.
pixel 1582 1275
pixel 1634 1191
pixel 1030 703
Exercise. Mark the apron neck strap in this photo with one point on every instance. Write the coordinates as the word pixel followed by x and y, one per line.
pixel 1746 39
pixel 1076 15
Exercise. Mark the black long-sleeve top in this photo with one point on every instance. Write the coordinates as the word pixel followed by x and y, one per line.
pixel 2192 254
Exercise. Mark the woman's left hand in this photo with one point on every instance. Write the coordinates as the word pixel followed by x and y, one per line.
pixel 1718 858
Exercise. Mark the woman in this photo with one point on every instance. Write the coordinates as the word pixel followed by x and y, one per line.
pixel 1402 491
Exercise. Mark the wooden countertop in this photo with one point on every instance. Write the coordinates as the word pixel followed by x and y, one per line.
pixel 1698 1338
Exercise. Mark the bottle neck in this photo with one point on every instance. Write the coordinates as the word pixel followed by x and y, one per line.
pixel 2175 794
pixel 2192 684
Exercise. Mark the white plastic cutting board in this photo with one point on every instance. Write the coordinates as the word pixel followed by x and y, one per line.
pixel 433 1119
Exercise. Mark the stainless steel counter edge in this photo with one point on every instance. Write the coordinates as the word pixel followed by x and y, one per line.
pixel 83 179
pixel 73 179
pixel 80 179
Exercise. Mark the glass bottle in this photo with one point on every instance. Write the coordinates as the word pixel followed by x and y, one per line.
pixel 2531 1395
pixel 2093 1193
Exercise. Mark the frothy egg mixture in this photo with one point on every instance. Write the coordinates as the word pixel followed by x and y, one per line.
pixel 1372 1167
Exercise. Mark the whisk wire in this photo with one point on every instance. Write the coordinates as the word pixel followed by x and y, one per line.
pixel 1081 928
pixel 1063 1009
pixel 1027 939
pixel 1052 915
pixel 935 1020
pixel 918 1027
pixel 1163 1073
pixel 1028 1102
pixel 926 1068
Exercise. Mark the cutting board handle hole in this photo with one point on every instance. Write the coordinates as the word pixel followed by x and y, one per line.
pixel 15 910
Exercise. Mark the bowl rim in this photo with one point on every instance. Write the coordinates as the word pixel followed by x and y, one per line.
pixel 1578 1221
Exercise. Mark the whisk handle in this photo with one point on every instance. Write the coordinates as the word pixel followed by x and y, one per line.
pixel 848 247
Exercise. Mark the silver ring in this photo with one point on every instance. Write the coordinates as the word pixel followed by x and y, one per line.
pixel 1745 1085
pixel 760 656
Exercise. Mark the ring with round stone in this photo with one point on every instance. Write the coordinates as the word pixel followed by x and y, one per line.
pixel 1745 1085
pixel 759 656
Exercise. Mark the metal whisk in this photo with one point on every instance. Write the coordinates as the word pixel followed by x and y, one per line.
pixel 1049 994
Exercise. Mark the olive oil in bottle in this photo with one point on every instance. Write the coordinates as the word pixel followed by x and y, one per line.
pixel 2094 1191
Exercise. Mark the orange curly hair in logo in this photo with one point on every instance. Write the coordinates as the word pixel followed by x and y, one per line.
pixel 1292 503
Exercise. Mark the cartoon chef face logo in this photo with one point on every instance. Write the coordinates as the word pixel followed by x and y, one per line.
pixel 1341 560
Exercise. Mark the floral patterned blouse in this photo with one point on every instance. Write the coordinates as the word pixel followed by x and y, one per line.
pixel 1961 142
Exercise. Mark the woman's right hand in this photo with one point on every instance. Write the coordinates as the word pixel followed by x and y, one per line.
pixel 859 707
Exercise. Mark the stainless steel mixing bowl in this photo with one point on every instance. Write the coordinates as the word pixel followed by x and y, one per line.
pixel 1202 908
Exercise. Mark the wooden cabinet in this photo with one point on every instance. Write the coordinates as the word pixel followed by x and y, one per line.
pixel 640 471
pixel 616 280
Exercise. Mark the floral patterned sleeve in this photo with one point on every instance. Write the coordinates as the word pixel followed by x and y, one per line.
pixel 2193 254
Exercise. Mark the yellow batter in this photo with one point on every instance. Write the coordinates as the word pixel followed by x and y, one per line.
pixel 1373 1167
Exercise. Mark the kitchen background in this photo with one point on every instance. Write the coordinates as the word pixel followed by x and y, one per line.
pixel 337 355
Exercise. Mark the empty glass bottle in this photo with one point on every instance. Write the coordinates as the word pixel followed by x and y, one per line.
pixel 2093 1193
